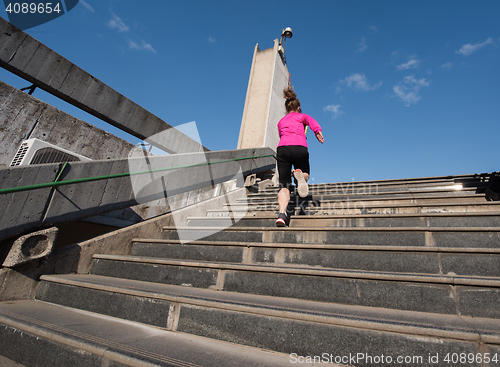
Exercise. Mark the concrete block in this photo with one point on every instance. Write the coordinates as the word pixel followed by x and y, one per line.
pixel 135 122
pixel 148 311
pixel 11 39
pixel 22 211
pixel 35 348
pixel 7 31
pixel 24 53
pixel 316 339
pixel 237 236
pixel 389 261
pixel 478 302
pixel 484 238
pixel 93 94
pixel 31 247
pixel 170 138
pixel 351 291
pixel 118 189
pixel 75 201
pixel 175 275
pixel 191 252
pixel 76 84
pixel 470 263
pixel 123 111
pixel 35 64
pixel 59 76
pixel 49 67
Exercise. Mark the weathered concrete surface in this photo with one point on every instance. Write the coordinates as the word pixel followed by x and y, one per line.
pixel 20 283
pixel 22 211
pixel 264 104
pixel 80 339
pixel 26 57
pixel 31 247
pixel 23 117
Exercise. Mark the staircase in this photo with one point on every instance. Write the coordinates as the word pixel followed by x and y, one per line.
pixel 400 272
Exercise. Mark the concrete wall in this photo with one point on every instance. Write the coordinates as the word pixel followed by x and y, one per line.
pixel 23 117
pixel 21 282
pixel 264 104
pixel 139 181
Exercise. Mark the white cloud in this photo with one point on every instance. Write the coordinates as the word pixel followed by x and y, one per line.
pixel 468 49
pixel 407 90
pixel 87 6
pixel 358 82
pixel 335 110
pixel 373 28
pixel 211 40
pixel 117 23
pixel 362 45
pixel 448 65
pixel 139 47
pixel 411 64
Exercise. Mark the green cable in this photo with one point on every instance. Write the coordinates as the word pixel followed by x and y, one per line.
pixel 57 183
pixel 61 171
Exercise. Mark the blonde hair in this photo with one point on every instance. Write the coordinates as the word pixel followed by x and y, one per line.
pixel 292 103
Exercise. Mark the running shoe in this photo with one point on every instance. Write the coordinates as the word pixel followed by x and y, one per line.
pixel 302 187
pixel 283 220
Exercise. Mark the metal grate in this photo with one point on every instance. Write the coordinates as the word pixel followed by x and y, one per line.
pixel 21 152
pixel 51 155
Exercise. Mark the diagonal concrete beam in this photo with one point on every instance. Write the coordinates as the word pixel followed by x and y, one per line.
pixel 28 58
pixel 28 210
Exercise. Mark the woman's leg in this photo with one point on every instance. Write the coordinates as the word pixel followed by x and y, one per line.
pixel 283 199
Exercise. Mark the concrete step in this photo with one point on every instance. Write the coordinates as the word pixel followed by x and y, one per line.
pixel 37 333
pixel 462 237
pixel 465 181
pixel 424 260
pixel 290 326
pixel 362 207
pixel 362 203
pixel 359 189
pixel 371 195
pixel 436 293
pixel 491 219
pixel 386 185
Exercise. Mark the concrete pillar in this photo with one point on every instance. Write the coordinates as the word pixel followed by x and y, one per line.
pixel 264 104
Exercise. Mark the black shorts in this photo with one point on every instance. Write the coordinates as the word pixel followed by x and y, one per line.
pixel 288 156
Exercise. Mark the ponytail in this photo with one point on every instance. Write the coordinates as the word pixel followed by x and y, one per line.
pixel 292 103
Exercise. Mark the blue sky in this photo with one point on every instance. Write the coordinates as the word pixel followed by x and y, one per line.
pixel 401 88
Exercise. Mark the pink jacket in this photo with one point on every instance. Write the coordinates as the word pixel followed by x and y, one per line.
pixel 292 127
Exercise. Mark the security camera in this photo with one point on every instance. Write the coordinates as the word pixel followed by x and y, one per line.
pixel 287 32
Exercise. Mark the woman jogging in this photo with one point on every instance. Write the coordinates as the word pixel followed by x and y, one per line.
pixel 292 151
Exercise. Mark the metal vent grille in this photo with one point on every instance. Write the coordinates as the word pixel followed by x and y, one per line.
pixel 51 155
pixel 21 152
